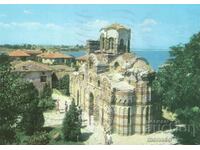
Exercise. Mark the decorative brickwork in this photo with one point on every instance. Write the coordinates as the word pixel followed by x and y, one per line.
pixel 115 91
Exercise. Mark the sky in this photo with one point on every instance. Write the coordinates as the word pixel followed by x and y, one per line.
pixel 153 27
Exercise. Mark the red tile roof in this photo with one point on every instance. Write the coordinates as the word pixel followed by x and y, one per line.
pixel 83 58
pixel 33 52
pixel 54 55
pixel 18 53
pixel 27 66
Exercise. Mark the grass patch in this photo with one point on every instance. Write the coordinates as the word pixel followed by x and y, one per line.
pixel 168 115
pixel 22 138
pixel 57 92
pixel 58 130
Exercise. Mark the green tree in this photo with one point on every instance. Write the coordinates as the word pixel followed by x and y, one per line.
pixel 32 117
pixel 16 101
pixel 39 138
pixel 63 84
pixel 71 124
pixel 46 102
pixel 9 101
pixel 177 86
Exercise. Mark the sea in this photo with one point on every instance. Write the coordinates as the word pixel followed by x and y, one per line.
pixel 156 58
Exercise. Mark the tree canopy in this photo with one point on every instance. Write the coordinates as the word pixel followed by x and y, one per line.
pixel 177 86
pixel 72 124
pixel 18 100
pixel 63 84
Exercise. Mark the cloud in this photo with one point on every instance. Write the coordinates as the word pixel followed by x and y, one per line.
pixel 31 26
pixel 97 23
pixel 28 12
pixel 147 24
pixel 89 29
pixel 38 32
pixel 146 29
pixel 54 26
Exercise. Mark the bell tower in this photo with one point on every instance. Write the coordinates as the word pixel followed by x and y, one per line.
pixel 115 39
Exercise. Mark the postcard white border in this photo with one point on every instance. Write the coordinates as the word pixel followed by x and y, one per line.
pixel 99 2
pixel 99 147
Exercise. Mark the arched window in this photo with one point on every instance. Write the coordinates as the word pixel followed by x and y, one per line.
pixel 121 44
pixel 102 41
pixel 91 104
pixel 90 79
pixel 90 64
pixel 111 43
pixel 128 46
pixel 99 84
pixel 147 114
pixel 116 65
pixel 129 115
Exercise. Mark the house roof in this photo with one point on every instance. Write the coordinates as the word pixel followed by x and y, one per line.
pixel 33 52
pixel 84 58
pixel 29 66
pixel 115 26
pixel 54 55
pixel 18 53
pixel 58 68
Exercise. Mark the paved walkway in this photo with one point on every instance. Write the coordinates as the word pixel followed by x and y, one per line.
pixel 157 138
pixel 55 117
pixel 95 134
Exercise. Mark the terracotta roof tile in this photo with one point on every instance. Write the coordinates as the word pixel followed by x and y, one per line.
pixel 84 58
pixel 18 53
pixel 27 66
pixel 115 26
pixel 33 52
pixel 54 55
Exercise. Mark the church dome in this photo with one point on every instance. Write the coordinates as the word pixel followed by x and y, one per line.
pixel 115 26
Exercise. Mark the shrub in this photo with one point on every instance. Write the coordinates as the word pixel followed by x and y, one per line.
pixel 39 138
pixel 71 124
pixel 63 84
pixel 46 102
pixel 7 135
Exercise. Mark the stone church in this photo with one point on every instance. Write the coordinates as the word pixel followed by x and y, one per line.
pixel 112 86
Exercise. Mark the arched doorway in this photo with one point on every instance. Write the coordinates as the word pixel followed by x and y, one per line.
pixel 116 65
pixel 77 101
pixel 91 104
pixel 128 46
pixel 102 116
pixel 121 45
pixel 91 107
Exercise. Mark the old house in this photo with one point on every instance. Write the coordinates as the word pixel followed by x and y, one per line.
pixel 55 58
pixel 93 45
pixel 59 71
pixel 33 54
pixel 19 55
pixel 80 60
pixel 112 85
pixel 37 73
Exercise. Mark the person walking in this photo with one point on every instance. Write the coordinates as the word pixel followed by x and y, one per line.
pixel 105 137
pixel 109 139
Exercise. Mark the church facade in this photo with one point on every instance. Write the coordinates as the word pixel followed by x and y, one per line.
pixel 112 86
